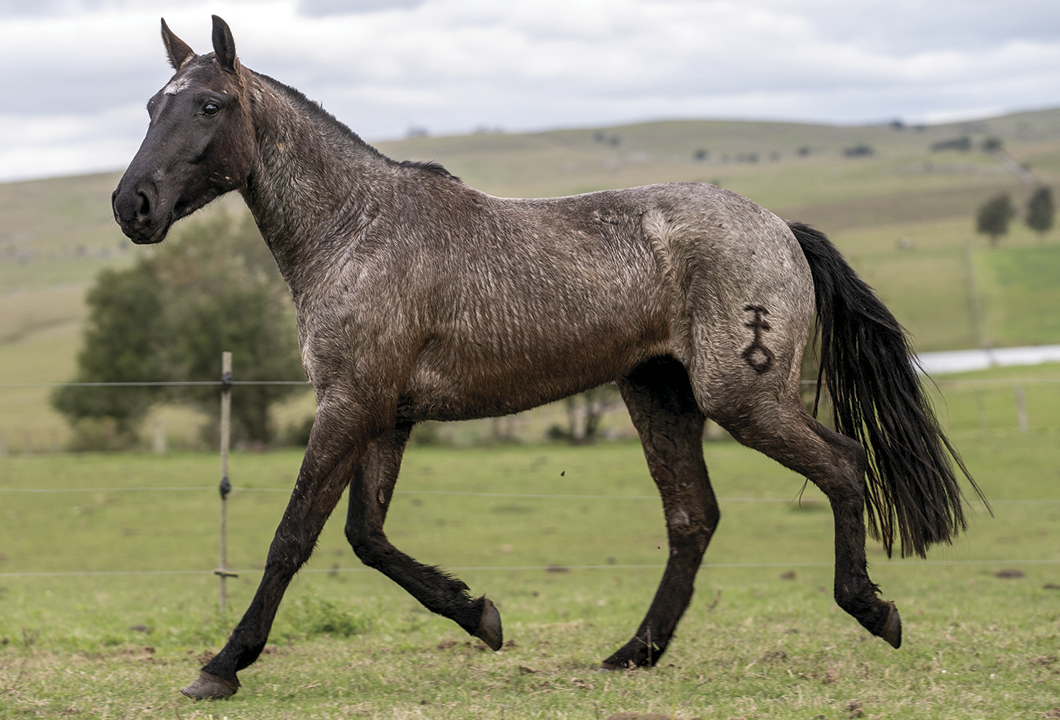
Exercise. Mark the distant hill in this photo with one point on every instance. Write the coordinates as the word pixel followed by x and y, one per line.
pixel 61 230
pixel 898 200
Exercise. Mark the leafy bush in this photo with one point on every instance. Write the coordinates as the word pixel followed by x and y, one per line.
pixel 861 150
pixel 961 144
pixel 310 616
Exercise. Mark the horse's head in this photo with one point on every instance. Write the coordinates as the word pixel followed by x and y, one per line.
pixel 200 143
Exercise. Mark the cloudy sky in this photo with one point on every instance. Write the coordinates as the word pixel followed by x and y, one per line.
pixel 75 74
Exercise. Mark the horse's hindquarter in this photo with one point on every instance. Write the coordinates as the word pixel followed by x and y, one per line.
pixel 746 298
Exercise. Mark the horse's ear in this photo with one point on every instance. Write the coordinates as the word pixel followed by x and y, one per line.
pixel 179 52
pixel 224 46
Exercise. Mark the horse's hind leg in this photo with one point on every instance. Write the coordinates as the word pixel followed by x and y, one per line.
pixel 782 429
pixel 670 424
pixel 371 490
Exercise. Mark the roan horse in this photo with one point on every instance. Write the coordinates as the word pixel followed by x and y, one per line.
pixel 419 298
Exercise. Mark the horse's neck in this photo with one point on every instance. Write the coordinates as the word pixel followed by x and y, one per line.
pixel 309 188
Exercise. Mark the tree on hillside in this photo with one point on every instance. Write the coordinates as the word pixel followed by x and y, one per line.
pixel 224 292
pixel 861 150
pixel 1040 211
pixel 214 287
pixel 120 345
pixel 994 217
pixel 961 144
pixel 992 145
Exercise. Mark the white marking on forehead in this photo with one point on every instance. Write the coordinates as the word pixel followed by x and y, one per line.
pixel 176 85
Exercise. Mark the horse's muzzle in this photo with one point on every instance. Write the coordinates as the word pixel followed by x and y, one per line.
pixel 136 210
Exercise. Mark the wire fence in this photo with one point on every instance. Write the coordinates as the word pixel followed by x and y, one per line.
pixel 904 564
pixel 980 396
pixel 465 493
pixel 985 406
pixel 557 497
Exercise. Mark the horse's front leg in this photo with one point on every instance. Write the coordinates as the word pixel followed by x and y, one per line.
pixel 335 449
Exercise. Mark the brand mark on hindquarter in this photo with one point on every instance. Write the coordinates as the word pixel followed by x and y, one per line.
pixel 757 355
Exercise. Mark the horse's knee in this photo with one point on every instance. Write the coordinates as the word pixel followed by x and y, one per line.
pixel 691 536
pixel 697 541
pixel 288 552
pixel 712 517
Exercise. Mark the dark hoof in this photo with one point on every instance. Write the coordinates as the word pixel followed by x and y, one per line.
pixel 210 687
pixel 489 626
pixel 892 629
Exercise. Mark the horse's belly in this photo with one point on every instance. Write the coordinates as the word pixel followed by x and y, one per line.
pixel 461 379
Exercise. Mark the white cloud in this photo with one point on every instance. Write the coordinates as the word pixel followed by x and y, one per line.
pixel 453 65
pixel 64 144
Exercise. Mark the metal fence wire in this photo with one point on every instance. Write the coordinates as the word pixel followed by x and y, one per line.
pixel 986 406
pixel 986 398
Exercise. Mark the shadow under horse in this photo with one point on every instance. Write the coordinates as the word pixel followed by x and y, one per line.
pixel 419 298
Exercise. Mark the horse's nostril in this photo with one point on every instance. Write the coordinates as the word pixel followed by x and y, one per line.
pixel 145 204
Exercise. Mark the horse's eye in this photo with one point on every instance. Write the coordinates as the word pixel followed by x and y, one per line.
pixel 210 109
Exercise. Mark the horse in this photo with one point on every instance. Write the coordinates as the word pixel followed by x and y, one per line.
pixel 419 298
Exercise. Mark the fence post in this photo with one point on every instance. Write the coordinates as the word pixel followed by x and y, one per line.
pixel 1021 410
pixel 980 408
pixel 226 487
pixel 159 443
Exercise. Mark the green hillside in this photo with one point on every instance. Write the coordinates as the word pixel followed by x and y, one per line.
pixel 902 212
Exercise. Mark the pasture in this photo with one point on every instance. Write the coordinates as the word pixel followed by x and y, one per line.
pixel 569 542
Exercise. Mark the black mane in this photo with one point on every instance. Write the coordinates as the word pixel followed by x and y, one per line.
pixel 430 166
pixel 316 111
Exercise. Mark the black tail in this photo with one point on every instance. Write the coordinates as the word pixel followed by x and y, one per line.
pixel 871 374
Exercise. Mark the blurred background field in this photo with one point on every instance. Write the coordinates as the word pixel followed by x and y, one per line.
pixel 901 209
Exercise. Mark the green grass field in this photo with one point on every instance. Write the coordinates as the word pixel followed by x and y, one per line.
pixel 763 637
